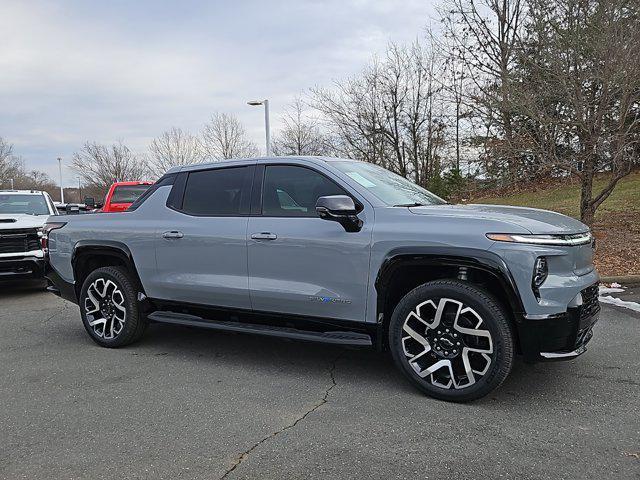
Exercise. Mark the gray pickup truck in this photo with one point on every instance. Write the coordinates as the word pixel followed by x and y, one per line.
pixel 335 251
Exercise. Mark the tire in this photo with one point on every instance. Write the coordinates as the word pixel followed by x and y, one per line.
pixel 115 320
pixel 437 325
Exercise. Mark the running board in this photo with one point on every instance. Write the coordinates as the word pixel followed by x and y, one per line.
pixel 339 338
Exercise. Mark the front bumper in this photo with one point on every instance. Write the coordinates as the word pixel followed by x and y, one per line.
pixel 18 267
pixel 560 336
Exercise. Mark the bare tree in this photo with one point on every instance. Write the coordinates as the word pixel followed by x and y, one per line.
pixel 225 137
pixel 457 82
pixel 351 112
pixel 423 114
pixel 37 180
pixel 300 135
pixel 100 165
pixel 392 114
pixel 486 35
pixel 11 167
pixel 172 148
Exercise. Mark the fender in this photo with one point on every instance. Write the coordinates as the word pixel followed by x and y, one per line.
pixel 85 248
pixel 484 260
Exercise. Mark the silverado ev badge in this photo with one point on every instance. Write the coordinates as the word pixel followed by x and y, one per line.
pixel 313 298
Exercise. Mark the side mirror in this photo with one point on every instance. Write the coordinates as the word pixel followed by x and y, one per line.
pixel 90 202
pixel 341 209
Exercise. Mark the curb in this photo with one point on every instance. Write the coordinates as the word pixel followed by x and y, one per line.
pixel 626 280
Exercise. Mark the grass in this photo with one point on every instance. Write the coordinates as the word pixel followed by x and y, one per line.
pixel 617 220
pixel 565 198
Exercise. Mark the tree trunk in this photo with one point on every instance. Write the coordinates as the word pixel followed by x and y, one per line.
pixel 587 208
pixel 458 134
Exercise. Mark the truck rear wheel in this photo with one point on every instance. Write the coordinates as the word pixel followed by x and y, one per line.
pixel 452 340
pixel 109 308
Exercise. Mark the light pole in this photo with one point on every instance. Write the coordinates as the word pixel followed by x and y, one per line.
pixel 61 189
pixel 79 190
pixel 266 121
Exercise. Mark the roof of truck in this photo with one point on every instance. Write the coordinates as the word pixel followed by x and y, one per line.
pixel 245 161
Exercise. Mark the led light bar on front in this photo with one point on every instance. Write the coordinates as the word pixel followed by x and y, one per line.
pixel 567 240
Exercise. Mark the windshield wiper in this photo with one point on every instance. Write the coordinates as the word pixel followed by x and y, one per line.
pixel 414 204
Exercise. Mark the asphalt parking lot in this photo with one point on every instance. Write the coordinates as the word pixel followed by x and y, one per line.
pixel 187 403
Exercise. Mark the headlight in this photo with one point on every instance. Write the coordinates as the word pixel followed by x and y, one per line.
pixel 562 240
pixel 540 272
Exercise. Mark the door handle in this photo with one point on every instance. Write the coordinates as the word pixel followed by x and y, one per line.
pixel 172 234
pixel 264 236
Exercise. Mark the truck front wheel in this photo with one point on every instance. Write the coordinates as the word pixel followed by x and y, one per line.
pixel 452 340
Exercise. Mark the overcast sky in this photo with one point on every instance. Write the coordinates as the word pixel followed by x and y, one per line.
pixel 72 71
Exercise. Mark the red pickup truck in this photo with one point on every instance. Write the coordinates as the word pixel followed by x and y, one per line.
pixel 122 194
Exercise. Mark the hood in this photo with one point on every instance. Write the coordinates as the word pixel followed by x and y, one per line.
pixel 10 221
pixel 532 219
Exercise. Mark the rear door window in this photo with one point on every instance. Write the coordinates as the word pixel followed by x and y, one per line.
pixel 217 192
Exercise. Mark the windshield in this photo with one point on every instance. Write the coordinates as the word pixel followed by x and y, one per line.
pixel 128 193
pixel 392 189
pixel 29 204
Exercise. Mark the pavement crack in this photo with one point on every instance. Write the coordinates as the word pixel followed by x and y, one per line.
pixel 623 381
pixel 59 312
pixel 26 328
pixel 244 455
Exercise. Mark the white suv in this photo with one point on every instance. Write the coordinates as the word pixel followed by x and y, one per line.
pixel 23 213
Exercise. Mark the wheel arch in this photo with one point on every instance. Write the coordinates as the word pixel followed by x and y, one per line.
pixel 89 255
pixel 406 268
